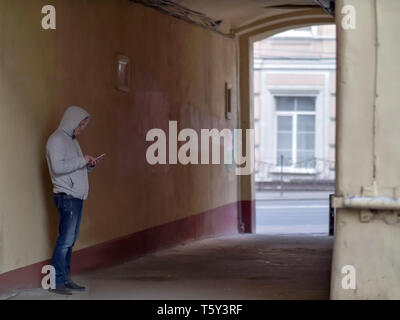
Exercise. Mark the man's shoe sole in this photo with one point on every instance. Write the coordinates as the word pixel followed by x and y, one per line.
pixel 63 292
pixel 75 287
pixel 81 290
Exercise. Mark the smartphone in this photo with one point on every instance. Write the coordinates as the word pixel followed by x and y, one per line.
pixel 99 157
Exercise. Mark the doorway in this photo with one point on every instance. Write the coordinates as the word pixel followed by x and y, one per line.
pixel 294 99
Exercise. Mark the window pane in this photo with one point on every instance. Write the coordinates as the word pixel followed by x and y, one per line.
pixel 285 141
pixel 306 141
pixel 305 103
pixel 287 158
pixel 306 123
pixel 285 123
pixel 284 103
pixel 305 152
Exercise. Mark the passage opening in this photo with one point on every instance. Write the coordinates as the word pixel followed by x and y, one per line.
pixel 295 118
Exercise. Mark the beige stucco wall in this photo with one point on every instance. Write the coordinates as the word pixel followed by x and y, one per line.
pixel 363 69
pixel 178 73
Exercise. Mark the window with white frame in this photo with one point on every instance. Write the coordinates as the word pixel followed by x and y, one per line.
pixel 295 135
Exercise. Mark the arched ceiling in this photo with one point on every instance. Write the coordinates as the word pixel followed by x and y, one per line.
pixel 226 16
pixel 237 13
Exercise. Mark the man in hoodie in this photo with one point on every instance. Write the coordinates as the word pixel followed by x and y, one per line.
pixel 69 173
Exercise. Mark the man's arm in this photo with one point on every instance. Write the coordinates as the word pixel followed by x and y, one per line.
pixel 59 164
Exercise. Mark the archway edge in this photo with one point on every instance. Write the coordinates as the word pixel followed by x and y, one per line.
pixel 245 37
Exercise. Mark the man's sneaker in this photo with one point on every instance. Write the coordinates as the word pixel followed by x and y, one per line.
pixel 70 285
pixel 61 289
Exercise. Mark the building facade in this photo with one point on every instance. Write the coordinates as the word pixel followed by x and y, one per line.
pixel 294 105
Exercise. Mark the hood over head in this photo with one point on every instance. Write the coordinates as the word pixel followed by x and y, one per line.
pixel 71 119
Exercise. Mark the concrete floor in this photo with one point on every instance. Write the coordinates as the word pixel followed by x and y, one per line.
pixel 249 266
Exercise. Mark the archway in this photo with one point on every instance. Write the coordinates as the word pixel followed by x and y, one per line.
pixel 246 36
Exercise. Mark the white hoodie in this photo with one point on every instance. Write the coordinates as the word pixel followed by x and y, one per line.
pixel 67 165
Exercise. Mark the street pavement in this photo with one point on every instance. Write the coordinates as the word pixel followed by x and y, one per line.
pixel 293 214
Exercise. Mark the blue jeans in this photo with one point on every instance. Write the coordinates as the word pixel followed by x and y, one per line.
pixel 70 212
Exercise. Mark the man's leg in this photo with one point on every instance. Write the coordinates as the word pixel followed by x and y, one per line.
pixel 68 221
pixel 79 206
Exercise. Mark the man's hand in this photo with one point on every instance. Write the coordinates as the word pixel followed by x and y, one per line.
pixel 91 161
